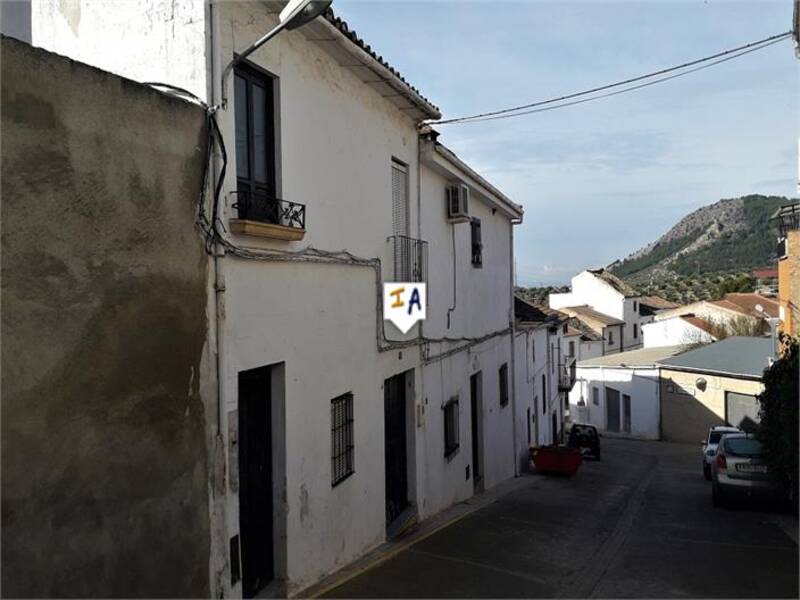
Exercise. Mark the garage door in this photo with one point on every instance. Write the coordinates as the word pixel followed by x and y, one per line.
pixel 741 410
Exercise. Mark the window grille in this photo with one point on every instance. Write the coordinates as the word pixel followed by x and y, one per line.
pixel 342 438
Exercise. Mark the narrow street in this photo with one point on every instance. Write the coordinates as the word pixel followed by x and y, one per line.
pixel 638 524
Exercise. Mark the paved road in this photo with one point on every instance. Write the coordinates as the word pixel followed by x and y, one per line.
pixel 638 524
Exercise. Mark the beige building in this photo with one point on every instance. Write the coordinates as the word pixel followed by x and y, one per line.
pixel 717 384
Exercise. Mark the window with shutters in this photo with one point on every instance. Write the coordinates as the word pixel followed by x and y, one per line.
pixel 400 210
pixel 477 244
pixel 342 438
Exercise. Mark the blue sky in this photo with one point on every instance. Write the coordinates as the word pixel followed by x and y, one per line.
pixel 600 180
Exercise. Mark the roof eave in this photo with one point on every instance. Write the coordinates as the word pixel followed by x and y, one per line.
pixel 334 35
pixel 445 162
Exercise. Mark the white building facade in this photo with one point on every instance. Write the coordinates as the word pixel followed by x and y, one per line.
pixel 607 294
pixel 676 330
pixel 619 393
pixel 543 375
pixel 328 191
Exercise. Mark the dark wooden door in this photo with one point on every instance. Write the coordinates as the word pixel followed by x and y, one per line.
pixel 255 480
pixel 475 418
pixel 612 409
pixel 394 399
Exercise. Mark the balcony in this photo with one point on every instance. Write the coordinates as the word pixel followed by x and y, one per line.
pixel 409 258
pixel 262 216
pixel 566 374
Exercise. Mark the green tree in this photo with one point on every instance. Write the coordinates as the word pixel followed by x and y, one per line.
pixel 778 416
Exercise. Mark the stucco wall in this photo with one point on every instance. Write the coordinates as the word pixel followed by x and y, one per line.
pixel 672 332
pixel 789 285
pixel 146 40
pixel 641 384
pixel 688 411
pixel 104 463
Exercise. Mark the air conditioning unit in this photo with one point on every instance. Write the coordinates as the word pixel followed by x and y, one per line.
pixel 457 196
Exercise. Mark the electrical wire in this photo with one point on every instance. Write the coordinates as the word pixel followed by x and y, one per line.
pixel 516 111
pixel 214 234
pixel 622 91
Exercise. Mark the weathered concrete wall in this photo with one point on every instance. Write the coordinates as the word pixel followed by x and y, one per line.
pixel 104 462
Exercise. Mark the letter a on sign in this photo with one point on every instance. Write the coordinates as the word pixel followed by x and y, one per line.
pixel 404 304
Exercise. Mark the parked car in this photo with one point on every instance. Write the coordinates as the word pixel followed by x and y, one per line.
pixel 739 470
pixel 585 438
pixel 710 445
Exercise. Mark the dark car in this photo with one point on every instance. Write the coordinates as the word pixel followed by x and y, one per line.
pixel 585 438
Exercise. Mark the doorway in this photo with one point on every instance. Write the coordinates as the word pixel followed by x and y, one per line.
pixel 255 480
pixel 612 409
pixel 626 413
pixel 394 401
pixel 475 418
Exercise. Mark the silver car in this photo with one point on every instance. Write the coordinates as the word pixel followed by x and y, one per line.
pixel 709 445
pixel 739 470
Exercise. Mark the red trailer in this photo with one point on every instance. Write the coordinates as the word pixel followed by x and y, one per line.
pixel 556 459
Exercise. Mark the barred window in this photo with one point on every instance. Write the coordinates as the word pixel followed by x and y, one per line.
pixel 503 374
pixel 451 427
pixel 341 438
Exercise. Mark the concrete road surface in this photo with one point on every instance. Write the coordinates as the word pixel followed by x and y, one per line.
pixel 638 524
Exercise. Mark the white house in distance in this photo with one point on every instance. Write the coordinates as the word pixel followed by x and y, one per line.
pixel 619 393
pixel 701 322
pixel 680 329
pixel 329 191
pixel 609 305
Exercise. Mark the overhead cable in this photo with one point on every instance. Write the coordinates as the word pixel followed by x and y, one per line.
pixel 684 68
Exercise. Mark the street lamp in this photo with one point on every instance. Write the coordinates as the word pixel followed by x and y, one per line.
pixel 295 14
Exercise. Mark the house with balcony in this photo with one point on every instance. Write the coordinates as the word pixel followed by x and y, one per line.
pixel 329 431
pixel 609 306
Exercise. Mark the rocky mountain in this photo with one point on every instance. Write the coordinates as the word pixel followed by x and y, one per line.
pixel 730 236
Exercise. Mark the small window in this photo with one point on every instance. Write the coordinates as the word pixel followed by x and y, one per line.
pixel 564 328
pixel 635 330
pixel 634 306
pixel 477 245
pixel 572 348
pixel 533 350
pixel 544 392
pixel 451 427
pixel 342 438
pixel 595 396
pixel 610 337
pixel 503 374
pixel 552 362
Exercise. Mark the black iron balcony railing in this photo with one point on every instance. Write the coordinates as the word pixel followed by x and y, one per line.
pixel 262 208
pixel 566 374
pixel 410 258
